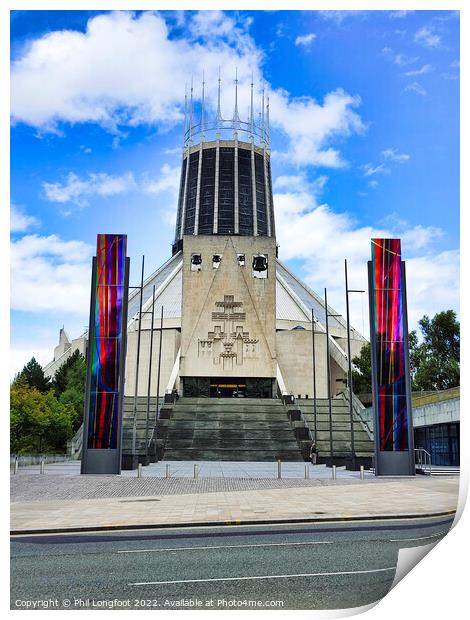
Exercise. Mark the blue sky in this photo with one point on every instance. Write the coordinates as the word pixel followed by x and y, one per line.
pixel 365 141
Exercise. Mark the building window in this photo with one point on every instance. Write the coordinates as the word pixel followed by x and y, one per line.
pixel 196 262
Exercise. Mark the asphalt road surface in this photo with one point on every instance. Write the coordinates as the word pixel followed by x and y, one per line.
pixel 297 566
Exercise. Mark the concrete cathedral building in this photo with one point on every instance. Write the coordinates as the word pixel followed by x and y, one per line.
pixel 237 323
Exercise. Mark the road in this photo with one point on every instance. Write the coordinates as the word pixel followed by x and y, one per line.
pixel 297 566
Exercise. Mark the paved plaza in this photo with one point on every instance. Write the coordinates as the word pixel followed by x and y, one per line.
pixel 211 469
pixel 62 500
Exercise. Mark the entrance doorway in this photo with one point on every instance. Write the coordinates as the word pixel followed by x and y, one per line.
pixel 227 388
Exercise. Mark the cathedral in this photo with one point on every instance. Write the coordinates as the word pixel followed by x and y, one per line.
pixel 233 327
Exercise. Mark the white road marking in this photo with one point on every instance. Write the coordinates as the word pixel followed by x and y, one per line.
pixel 325 542
pixel 350 572
pixel 421 538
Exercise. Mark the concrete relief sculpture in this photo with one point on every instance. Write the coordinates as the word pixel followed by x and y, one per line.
pixel 228 344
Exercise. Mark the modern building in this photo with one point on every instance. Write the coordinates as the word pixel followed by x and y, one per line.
pixel 236 322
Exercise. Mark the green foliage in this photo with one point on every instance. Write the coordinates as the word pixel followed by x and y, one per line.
pixel 59 382
pixel 74 392
pixel 38 422
pixel 435 362
pixel 361 377
pixel 43 419
pixel 33 374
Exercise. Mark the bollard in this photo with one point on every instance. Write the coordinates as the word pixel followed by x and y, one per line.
pixel 333 472
pixel 167 474
pixel 307 472
pixel 361 474
pixel 279 470
pixel 15 466
pixel 42 467
pixel 139 470
pixel 196 471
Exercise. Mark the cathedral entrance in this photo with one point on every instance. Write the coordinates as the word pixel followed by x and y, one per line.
pixel 228 387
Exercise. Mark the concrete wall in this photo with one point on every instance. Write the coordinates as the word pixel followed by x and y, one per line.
pixel 240 346
pixel 294 354
pixel 437 413
pixel 170 346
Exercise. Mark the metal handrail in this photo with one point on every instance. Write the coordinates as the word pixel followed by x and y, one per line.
pixel 75 444
pixel 358 408
pixel 427 458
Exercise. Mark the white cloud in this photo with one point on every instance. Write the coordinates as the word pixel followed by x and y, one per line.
pixel 427 37
pixel 22 352
pixel 20 221
pixel 398 58
pixel 399 14
pixel 394 155
pixel 311 126
pixel 50 274
pixel 416 87
pixel 321 239
pixel 77 190
pixel 167 181
pixel 124 70
pixel 370 169
pixel 305 39
pixel 127 70
pixel 338 17
pixel 373 184
pixel 424 69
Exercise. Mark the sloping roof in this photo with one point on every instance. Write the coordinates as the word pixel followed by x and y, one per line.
pixel 306 298
pixel 287 307
pixel 161 279
pixel 294 299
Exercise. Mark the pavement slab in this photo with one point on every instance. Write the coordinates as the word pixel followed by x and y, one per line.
pixel 376 498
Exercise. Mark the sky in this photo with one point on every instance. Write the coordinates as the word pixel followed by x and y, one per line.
pixel 364 110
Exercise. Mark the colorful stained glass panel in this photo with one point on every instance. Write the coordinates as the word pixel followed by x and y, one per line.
pixel 389 344
pixel 105 346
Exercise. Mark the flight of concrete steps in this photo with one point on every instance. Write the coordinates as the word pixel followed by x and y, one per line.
pixel 228 429
pixel 363 443
pixel 141 425
pixel 438 470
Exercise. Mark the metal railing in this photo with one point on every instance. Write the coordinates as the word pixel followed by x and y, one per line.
pixel 423 460
pixel 74 445
pixel 361 413
pixel 25 460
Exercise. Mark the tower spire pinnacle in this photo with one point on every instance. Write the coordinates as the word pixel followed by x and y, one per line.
pixel 191 114
pixel 251 110
pixel 262 119
pixel 185 113
pixel 268 137
pixel 219 115
pixel 236 118
pixel 202 110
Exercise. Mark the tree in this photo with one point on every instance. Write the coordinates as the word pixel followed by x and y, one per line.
pixel 361 374
pixel 34 376
pixel 74 392
pixel 38 421
pixel 59 382
pixel 435 362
